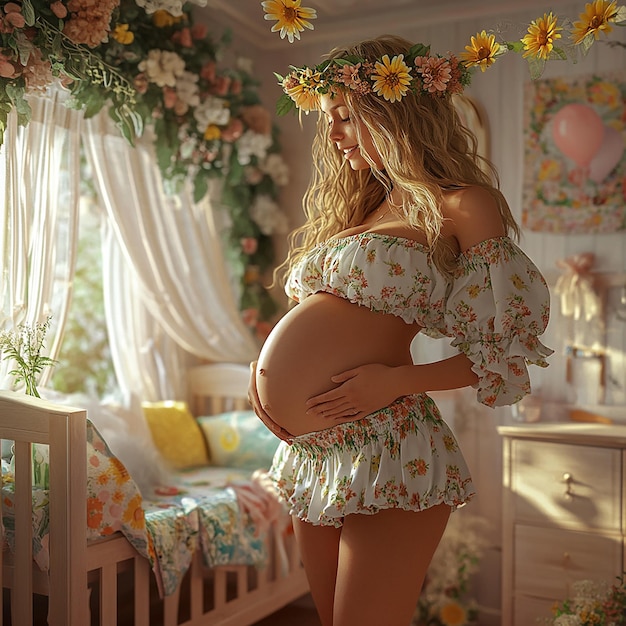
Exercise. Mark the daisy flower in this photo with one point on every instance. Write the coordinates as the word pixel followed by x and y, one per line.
pixel 595 19
pixel 291 18
pixel 542 32
pixel 392 78
pixel 482 51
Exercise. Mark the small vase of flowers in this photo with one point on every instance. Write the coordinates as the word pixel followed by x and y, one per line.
pixel 24 346
pixel 593 604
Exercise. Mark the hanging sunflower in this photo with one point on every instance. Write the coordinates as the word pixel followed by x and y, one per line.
pixel 596 19
pixel 541 36
pixel 482 51
pixel 291 18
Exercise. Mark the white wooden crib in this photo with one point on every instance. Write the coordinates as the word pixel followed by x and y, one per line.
pixel 88 580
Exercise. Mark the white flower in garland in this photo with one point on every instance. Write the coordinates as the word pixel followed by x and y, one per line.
pixel 274 166
pixel 173 7
pixel 188 145
pixel 213 110
pixel 187 89
pixel 252 144
pixel 162 67
pixel 268 216
pixel 245 65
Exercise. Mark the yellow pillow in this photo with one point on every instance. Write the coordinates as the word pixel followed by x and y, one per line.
pixel 176 433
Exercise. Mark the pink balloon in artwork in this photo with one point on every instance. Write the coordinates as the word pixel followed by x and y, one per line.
pixel 608 156
pixel 577 131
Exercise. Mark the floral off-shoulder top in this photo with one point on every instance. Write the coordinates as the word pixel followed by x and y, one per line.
pixel 494 308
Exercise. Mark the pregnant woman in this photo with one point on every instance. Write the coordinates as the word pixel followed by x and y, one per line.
pixel 404 233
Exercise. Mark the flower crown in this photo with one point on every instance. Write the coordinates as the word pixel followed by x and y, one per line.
pixel 419 71
pixel 413 72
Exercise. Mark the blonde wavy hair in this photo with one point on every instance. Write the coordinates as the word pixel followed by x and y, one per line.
pixel 426 151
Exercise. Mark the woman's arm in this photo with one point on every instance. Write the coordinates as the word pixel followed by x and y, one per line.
pixel 367 388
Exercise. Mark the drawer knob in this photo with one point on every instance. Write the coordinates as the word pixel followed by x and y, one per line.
pixel 568 479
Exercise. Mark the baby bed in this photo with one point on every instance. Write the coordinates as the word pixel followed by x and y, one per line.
pixel 98 581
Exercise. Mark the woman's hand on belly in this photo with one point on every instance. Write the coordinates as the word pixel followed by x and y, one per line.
pixel 361 391
pixel 257 407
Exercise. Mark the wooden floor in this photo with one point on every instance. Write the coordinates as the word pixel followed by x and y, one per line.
pixel 299 613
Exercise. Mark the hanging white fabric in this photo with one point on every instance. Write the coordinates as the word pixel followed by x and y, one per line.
pixel 178 272
pixel 39 185
pixel 144 357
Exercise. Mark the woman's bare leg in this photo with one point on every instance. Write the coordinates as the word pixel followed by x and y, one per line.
pixel 319 550
pixel 383 560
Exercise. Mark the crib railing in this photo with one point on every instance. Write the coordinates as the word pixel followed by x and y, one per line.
pixel 226 595
pixel 89 583
pixel 26 420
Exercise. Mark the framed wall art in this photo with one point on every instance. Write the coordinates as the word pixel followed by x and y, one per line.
pixel 574 154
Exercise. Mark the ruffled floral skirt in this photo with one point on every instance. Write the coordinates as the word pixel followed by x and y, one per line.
pixel 403 456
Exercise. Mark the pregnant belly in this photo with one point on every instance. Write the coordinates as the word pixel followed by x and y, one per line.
pixel 321 337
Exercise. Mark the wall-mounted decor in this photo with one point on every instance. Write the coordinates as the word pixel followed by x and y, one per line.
pixel 575 154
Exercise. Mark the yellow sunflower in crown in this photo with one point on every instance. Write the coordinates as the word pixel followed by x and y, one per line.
pixel 392 78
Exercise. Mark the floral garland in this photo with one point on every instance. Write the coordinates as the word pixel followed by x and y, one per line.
pixel 419 71
pixel 150 65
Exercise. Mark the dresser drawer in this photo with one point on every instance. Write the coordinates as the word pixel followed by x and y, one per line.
pixel 528 611
pixel 569 485
pixel 549 560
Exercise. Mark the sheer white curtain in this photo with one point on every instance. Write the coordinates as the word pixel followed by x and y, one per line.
pixel 143 354
pixel 39 185
pixel 168 279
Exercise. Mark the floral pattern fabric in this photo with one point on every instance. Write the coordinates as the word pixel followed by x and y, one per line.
pixel 494 307
pixel 200 510
pixel 403 456
pixel 114 503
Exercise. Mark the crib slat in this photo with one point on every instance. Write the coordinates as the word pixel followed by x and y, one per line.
pixel 196 589
pixel 142 591
pixel 219 587
pixel 108 595
pixel 242 581
pixel 170 608
pixel 22 594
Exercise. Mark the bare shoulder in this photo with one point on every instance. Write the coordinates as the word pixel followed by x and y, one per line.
pixel 472 216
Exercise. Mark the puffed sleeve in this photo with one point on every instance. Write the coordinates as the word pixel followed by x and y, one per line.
pixel 498 306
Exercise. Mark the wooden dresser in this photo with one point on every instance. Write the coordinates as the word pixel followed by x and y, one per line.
pixel 564 513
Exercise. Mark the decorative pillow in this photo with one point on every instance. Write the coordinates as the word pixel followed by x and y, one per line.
pixel 176 433
pixel 239 439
